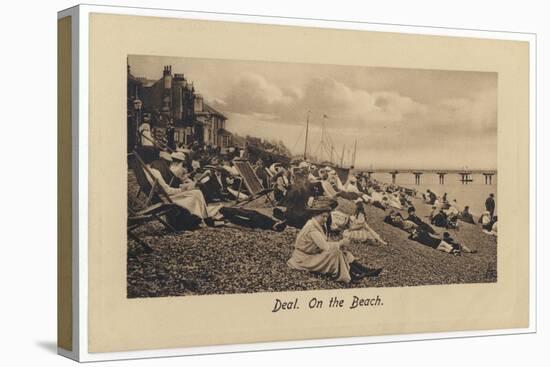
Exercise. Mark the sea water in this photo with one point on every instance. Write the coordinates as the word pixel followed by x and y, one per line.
pixel 472 193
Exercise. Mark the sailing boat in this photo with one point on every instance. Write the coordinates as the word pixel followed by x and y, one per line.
pixel 326 147
pixel 326 153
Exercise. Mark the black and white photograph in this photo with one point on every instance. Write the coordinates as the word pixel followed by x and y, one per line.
pixel 256 176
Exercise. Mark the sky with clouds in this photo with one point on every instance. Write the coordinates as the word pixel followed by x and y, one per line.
pixel 401 118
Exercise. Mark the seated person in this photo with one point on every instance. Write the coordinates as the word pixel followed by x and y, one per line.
pixel 228 166
pixel 332 186
pixel 450 209
pixel 213 184
pixel 440 219
pixel 431 197
pixel 282 184
pixel 419 222
pixel 296 201
pixel 404 200
pixel 393 201
pixel 486 221
pixel 359 231
pixel 262 173
pixel 494 230
pixel 466 216
pixel 421 236
pixel 351 185
pixel 313 252
pixel 457 247
pixel 396 219
pixel 490 227
pixel 178 168
pixel 192 200
pixel 337 222
pixel 162 165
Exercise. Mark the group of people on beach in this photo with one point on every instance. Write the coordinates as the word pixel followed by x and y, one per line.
pixel 315 199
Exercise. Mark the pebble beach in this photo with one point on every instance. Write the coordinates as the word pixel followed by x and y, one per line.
pixel 233 260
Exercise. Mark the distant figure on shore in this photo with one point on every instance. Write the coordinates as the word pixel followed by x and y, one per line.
pixel 493 230
pixel 485 218
pixel 490 205
pixel 315 253
pixel 430 197
pixel 487 223
pixel 445 216
pixel 440 219
pixel 466 216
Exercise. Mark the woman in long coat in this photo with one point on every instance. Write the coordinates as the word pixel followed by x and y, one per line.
pixel 315 253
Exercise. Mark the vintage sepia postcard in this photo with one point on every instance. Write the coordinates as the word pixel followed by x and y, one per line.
pixel 256 185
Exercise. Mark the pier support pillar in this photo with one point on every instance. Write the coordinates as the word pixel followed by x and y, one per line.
pixel 488 178
pixel 417 177
pixel 442 177
pixel 393 176
pixel 466 177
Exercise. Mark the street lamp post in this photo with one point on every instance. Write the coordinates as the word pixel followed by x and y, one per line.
pixel 137 118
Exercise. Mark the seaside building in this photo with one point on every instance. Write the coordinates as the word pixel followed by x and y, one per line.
pixel 213 124
pixel 176 113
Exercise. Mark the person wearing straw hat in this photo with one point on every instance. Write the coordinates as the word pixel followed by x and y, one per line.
pixel 162 165
pixel 313 251
pixel 178 168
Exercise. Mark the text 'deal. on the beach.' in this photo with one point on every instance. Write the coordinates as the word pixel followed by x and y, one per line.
pixel 353 302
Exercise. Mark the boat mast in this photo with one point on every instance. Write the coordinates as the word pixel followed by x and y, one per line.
pixel 354 153
pixel 307 130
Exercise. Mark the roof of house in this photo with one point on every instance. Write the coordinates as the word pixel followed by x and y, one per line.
pixel 224 132
pixel 209 109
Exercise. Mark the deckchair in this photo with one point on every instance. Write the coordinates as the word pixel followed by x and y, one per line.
pixel 156 205
pixel 156 193
pixel 138 218
pixel 252 183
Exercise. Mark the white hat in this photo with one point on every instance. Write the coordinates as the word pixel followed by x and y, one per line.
pixel 303 164
pixel 180 156
pixel 166 156
pixel 274 168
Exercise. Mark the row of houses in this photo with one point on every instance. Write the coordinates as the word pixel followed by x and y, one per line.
pixel 176 113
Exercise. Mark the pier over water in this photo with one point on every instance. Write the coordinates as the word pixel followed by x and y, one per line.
pixel 464 176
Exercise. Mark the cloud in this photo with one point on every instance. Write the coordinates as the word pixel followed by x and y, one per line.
pixel 386 123
pixel 253 94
